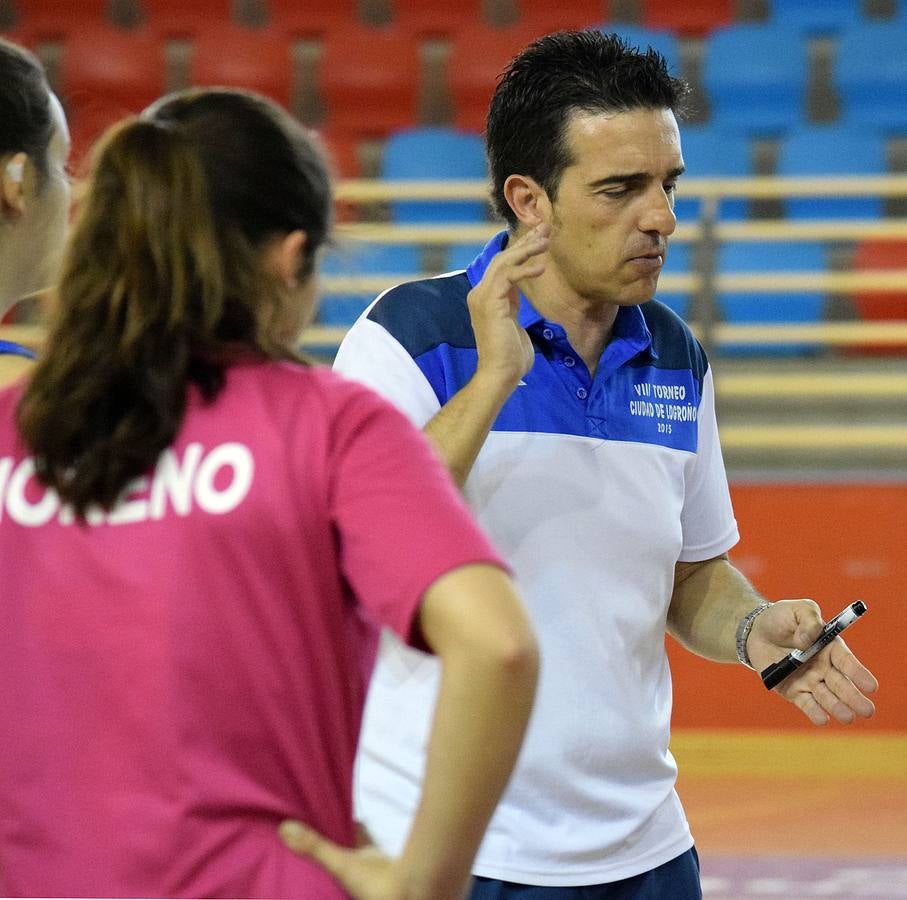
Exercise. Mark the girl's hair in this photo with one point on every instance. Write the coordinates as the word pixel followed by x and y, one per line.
pixel 26 123
pixel 163 284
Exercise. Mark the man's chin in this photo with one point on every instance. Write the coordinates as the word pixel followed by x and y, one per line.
pixel 640 296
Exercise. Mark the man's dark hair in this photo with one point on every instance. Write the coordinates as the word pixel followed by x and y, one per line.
pixel 553 78
pixel 26 124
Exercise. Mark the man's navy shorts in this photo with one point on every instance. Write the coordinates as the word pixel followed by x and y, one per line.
pixel 675 880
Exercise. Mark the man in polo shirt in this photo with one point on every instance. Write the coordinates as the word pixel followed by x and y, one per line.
pixel 578 415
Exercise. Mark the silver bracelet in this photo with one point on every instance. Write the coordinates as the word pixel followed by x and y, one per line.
pixel 744 629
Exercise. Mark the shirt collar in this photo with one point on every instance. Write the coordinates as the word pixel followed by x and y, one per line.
pixel 630 327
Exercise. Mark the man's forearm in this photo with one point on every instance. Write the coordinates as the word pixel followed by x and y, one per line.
pixel 709 600
pixel 460 428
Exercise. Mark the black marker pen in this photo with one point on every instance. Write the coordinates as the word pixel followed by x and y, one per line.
pixel 777 672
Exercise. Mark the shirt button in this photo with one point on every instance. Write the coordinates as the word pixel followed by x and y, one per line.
pixel 548 334
pixel 569 362
pixel 582 393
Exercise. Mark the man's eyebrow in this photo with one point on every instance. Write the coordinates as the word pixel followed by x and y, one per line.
pixel 633 178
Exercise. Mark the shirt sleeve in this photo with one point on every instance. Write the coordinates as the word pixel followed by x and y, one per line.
pixel 400 521
pixel 370 355
pixel 707 518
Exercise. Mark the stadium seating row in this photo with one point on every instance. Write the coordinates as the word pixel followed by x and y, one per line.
pixel 435 152
pixel 755 76
pixel 319 17
pixel 366 83
pixel 55 18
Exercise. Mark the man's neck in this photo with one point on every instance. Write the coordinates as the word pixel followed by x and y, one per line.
pixel 589 324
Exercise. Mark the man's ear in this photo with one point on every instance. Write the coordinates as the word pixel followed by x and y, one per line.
pixel 528 200
pixel 284 257
pixel 12 193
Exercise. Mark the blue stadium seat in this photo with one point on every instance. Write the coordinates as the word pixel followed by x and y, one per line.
pixel 775 308
pixel 755 78
pixel 678 262
pixel 435 152
pixel 710 151
pixel 664 42
pixel 397 261
pixel 832 150
pixel 826 17
pixel 870 75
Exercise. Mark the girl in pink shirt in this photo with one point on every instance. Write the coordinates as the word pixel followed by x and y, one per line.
pixel 200 536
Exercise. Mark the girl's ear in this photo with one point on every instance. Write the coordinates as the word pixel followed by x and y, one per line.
pixel 284 256
pixel 12 194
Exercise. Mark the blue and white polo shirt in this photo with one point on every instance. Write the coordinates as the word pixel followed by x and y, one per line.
pixel 592 487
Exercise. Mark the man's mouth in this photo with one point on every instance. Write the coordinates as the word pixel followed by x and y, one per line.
pixel 651 254
pixel 648 261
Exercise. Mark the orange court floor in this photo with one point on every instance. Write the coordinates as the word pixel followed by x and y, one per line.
pixel 796 815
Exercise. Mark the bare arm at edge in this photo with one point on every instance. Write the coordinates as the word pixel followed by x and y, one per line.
pixel 474 621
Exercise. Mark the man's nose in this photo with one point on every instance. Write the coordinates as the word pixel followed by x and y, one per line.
pixel 658 214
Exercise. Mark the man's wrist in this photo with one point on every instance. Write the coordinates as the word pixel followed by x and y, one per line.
pixel 744 629
pixel 495 382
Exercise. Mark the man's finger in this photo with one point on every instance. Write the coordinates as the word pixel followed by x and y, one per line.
pixel 530 244
pixel 844 661
pixel 528 268
pixel 809 623
pixel 849 694
pixel 811 708
pixel 832 703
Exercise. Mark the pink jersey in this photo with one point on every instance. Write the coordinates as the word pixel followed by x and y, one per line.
pixel 190 669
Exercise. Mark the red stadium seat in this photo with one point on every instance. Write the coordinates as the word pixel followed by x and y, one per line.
pixel 344 163
pixel 369 81
pixel 343 152
pixel 105 74
pixel 57 19
pixel 545 16
pixel 878 254
pixel 436 18
pixel 302 18
pixel 231 56
pixel 19 36
pixel 182 18
pixel 477 59
pixel 692 17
